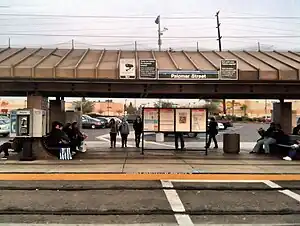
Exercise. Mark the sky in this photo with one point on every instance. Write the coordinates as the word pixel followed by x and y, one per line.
pixel 117 24
pixel 181 33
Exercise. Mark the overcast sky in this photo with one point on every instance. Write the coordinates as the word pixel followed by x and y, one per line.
pixel 192 30
pixel 144 30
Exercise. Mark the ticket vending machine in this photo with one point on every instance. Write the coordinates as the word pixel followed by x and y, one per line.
pixel 27 126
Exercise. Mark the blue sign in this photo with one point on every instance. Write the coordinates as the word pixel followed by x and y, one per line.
pixel 188 75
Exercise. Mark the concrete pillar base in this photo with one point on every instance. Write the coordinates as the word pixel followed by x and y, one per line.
pixel 57 111
pixel 282 114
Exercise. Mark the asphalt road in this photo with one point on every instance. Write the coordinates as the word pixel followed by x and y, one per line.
pixel 248 132
pixel 138 202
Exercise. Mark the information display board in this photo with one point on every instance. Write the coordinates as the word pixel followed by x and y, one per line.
pixel 147 69
pixel 183 120
pixel 151 119
pixel 166 120
pixel 229 69
pixel 199 120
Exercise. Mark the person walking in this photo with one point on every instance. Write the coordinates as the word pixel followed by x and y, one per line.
pixel 113 132
pixel 124 131
pixel 138 129
pixel 212 132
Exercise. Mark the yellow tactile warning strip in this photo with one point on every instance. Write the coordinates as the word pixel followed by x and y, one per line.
pixel 145 177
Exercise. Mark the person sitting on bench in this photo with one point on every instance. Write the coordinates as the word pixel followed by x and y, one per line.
pixel 4 148
pixel 266 141
pixel 57 138
pixel 293 152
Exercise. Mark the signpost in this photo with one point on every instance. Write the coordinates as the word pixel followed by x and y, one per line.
pixel 188 75
pixel 127 69
pixel 229 70
pixel 147 69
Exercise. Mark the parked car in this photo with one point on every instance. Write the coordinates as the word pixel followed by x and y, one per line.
pixel 88 122
pixel 191 135
pixel 4 127
pixel 104 120
pixel 226 122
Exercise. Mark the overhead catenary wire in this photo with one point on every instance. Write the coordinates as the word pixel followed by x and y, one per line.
pixel 150 17
pixel 146 37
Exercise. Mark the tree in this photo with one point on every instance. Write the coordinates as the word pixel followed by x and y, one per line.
pixel 87 106
pixel 163 104
pixel 130 109
pixel 212 108
pixel 244 108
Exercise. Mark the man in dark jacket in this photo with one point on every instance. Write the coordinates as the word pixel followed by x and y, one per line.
pixel 57 137
pixel 269 138
pixel 138 129
pixel 212 132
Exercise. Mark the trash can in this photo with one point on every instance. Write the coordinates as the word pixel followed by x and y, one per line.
pixel 231 143
pixel 27 152
pixel 159 137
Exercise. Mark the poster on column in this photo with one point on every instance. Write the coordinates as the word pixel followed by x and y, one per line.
pixel 183 120
pixel 199 120
pixel 166 120
pixel 150 119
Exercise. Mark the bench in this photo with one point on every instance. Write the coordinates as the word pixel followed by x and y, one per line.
pixel 53 150
pixel 283 149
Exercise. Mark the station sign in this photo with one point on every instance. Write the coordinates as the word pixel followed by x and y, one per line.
pixel 147 69
pixel 188 75
pixel 127 69
pixel 229 69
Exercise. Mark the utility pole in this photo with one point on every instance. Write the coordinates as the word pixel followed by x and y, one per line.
pixel 157 21
pixel 220 49
pixel 219 32
pixel 135 46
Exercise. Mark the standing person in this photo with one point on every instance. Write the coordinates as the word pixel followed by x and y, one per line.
pixel 138 129
pixel 124 130
pixel 113 132
pixel 77 136
pixel 212 132
pixel 179 135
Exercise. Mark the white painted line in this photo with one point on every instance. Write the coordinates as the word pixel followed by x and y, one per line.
pixel 176 205
pixel 219 181
pixel 160 144
pixel 287 192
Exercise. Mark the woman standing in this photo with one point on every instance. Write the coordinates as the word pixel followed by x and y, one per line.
pixel 113 133
pixel 138 129
pixel 124 130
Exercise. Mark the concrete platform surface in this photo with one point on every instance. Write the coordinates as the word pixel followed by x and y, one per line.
pixel 175 164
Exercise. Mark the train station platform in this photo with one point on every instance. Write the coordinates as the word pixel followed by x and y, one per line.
pixel 158 162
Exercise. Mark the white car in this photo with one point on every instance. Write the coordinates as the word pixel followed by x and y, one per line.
pixel 4 127
pixel 221 126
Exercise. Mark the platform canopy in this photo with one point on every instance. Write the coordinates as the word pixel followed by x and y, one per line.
pixel 105 64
